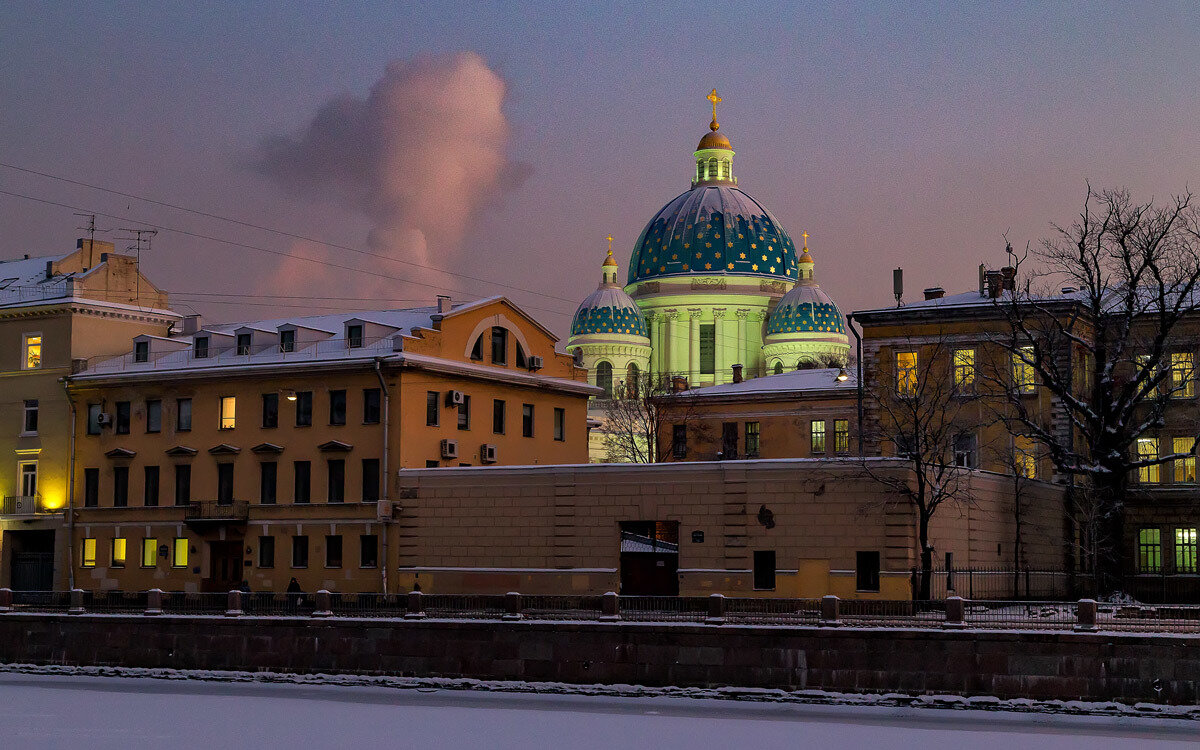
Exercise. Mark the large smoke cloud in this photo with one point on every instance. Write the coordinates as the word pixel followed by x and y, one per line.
pixel 419 157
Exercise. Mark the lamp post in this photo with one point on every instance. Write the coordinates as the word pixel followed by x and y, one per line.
pixel 858 364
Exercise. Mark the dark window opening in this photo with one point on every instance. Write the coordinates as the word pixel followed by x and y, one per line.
pixel 268 482
pixel 183 484
pixel 303 408
pixel 527 420
pixel 679 441
pixel 183 415
pixel 866 569
pixel 201 347
pixel 141 351
pixel 337 407
pixel 370 480
pixel 266 552
pixel 154 415
pixel 302 484
pixel 764 570
pixel 270 410
pixel 354 336
pixel 431 408
pixel 122 420
pixel 371 405
pixel 225 484
pixel 499 346
pixel 120 486
pixel 708 349
pixel 333 550
pixel 299 552
pixel 91 488
pixel 368 554
pixel 337 480
pixel 243 343
pixel 498 416
pixel 477 350
pixel 464 413
pixel 560 423
pixel 150 486
pixel 729 439
pixel 287 341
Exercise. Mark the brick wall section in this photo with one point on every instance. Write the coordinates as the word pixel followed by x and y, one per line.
pixel 1064 666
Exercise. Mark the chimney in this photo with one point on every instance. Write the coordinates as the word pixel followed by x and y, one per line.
pixel 443 303
pixel 95 251
pixel 1069 290
pixel 1010 278
pixel 935 292
pixel 982 276
pixel 679 384
pixel 737 373
pixel 191 324
pixel 49 269
pixel 994 284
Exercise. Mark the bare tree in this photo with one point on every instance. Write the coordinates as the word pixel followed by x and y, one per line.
pixel 1098 312
pixel 639 417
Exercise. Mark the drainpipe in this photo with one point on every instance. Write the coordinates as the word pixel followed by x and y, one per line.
pixel 70 491
pixel 858 363
pixel 383 494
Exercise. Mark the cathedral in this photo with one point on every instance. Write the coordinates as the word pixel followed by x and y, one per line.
pixel 714 282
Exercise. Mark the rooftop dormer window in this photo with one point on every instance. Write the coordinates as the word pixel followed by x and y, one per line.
pixel 243 343
pixel 287 341
pixel 354 336
pixel 141 351
pixel 200 347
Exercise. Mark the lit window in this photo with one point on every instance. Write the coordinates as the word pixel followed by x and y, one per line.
pixel 1022 370
pixel 180 557
pixel 1149 550
pixel 149 553
pixel 1183 384
pixel 906 373
pixel 1185 468
pixel 89 553
pixel 31 417
pixel 33 351
pixel 228 409
pixel 1147 450
pixel 964 370
pixel 841 436
pixel 1025 456
pixel 818 436
pixel 752 439
pixel 1143 363
pixel 712 168
pixel 118 552
pixel 1185 550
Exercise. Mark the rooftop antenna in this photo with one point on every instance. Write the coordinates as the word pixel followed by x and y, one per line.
pixel 898 285
pixel 149 239
pixel 91 230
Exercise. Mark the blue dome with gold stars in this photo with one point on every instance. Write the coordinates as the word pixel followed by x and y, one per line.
pixel 608 310
pixel 713 230
pixel 806 309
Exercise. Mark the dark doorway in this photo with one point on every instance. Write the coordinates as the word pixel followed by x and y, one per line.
pixel 32 560
pixel 650 558
pixel 226 566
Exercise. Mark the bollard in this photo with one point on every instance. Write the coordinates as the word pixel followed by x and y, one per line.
pixel 153 602
pixel 6 604
pixel 233 606
pixel 716 609
pixel 76 602
pixel 512 606
pixel 322 607
pixel 1085 615
pixel 955 612
pixel 416 609
pixel 829 611
pixel 610 606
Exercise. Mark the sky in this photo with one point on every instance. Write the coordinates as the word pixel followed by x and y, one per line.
pixel 483 148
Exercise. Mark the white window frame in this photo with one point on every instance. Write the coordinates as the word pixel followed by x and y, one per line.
pixel 41 344
pixel 21 486
pixel 25 416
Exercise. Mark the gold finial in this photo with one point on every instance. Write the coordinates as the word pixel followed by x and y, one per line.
pixel 610 239
pixel 805 236
pixel 712 97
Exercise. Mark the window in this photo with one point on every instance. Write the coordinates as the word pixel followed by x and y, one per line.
pixel 29 478
pixel 520 360
pixel 225 484
pixel 633 381
pixel 150 486
pixel 499 346
pixel 477 349
pixel 93 419
pixel 1025 456
pixel 149 553
pixel 354 336
pixel 120 486
pixel 464 413
pixel 764 570
pixel 183 484
pixel 299 552
pixel 1147 450
pixel 371 402
pixel 712 168
pixel 560 423
pixel 368 551
pixel 370 480
pixel 906 373
pixel 1149 551
pixel 266 552
pixel 604 374
pixel 243 343
pixel 268 481
pixel 179 553
pixel 679 441
pixel 154 415
pixel 89 552
pixel 817 429
pixel 964 370
pixel 1022 370
pixel 200 347
pixel 708 348
pixel 1183 382
pixel 302 482
pixel 287 341
pixel 228 412
pixel 431 408
pixel 752 439
pixel 965 450
pixel 32 358
pixel 729 439
pixel 270 410
pixel 336 468
pixel 30 422
pixel 183 415
pixel 1143 363
pixel 333 550
pixel 118 552
pixel 526 420
pixel 1185 550
pixel 1185 468
pixel 337 407
pixel 303 408
pixel 866 571
pixel 91 488
pixel 122 420
pixel 498 416
pixel 141 351
pixel 841 436
pixel 778 369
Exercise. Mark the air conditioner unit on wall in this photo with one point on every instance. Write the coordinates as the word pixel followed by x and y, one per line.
pixel 536 363
pixel 449 448
pixel 487 453
pixel 455 398
pixel 103 419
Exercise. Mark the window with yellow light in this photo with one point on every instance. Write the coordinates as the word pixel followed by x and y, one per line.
pixel 149 553
pixel 228 412
pixel 180 557
pixel 118 552
pixel 89 552
pixel 906 373
pixel 32 358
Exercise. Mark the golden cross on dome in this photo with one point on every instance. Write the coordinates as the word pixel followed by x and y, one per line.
pixel 805 236
pixel 610 239
pixel 715 99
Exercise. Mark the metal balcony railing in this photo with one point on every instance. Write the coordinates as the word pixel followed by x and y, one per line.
pixel 211 510
pixel 24 505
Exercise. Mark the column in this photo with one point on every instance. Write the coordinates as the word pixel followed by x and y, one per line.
pixel 652 332
pixel 671 338
pixel 693 346
pixel 758 322
pixel 719 366
pixel 742 359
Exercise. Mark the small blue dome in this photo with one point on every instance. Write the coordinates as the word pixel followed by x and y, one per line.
pixel 713 229
pixel 806 309
pixel 608 310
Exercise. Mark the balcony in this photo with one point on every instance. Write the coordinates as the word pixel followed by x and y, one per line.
pixel 28 506
pixel 210 512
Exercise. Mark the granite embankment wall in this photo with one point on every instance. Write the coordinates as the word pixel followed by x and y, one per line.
pixel 1043 665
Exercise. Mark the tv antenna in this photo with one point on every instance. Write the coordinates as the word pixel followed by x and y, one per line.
pixel 139 236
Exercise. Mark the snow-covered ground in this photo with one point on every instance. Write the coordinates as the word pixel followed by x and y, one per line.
pixel 97 713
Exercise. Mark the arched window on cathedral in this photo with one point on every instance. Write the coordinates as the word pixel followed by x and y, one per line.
pixel 778 368
pixel 632 381
pixel 699 170
pixel 724 169
pixel 712 168
pixel 604 378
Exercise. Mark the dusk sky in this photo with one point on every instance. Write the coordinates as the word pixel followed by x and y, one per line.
pixel 503 141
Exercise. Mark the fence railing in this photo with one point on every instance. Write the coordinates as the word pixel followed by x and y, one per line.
pixel 715 609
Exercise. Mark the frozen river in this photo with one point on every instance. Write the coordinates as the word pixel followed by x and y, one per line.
pixel 101 713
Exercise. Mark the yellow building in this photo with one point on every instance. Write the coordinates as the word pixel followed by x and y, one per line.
pixel 56 314
pixel 264 451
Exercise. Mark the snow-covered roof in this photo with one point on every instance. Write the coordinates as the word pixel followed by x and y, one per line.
pixel 791 382
pixel 23 283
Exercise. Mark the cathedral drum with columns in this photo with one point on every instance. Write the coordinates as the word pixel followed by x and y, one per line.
pixel 713 282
